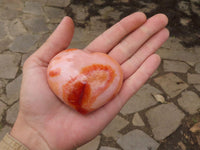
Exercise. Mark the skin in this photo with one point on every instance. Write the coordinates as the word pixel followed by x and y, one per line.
pixel 44 122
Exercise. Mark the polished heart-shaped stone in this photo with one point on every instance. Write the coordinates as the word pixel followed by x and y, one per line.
pixel 84 81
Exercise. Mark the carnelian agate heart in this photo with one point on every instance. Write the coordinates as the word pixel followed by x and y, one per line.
pixel 85 81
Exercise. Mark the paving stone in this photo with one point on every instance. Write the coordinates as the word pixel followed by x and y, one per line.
pixel 58 3
pixel 112 129
pixel 3 97
pixel 99 2
pixel 2 85
pixel 3 30
pixel 107 148
pixel 13 4
pixel 4 43
pixel 42 39
pixel 8 69
pixel 173 50
pixel 137 140
pixel 54 15
pixel 24 43
pixel 141 100
pixel 190 102
pixel 52 26
pixel 34 8
pixel 82 37
pixel 197 67
pixel 193 78
pixel 3 131
pixel 97 26
pixel 12 112
pixel 164 120
pixel 13 90
pixel 36 25
pixel 171 84
pixel 175 66
pixel 8 13
pixel 16 28
pixel 173 43
pixel 109 12
pixel 24 57
pixel 92 145
pixel 137 120
pixel 197 86
pixel 2 108
pixel 155 74
pixel 42 2
pixel 179 55
pixel 80 15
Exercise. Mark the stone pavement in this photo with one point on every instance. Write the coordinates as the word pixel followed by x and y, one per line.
pixel 151 117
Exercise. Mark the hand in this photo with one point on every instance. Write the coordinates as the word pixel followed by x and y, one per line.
pixel 44 122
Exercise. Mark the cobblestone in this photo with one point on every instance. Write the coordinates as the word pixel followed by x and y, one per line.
pixel 137 120
pixel 171 84
pixel 108 13
pixel 13 4
pixel 137 140
pixel 12 112
pixel 58 3
pixel 8 69
pixel 197 67
pixel 3 131
pixel 24 57
pixel 197 87
pixel 175 66
pixel 107 148
pixel 54 15
pixel 4 44
pixel 141 100
pixel 190 102
pixel 36 25
pixel 32 7
pixel 24 43
pixel 16 28
pixel 80 15
pixel 13 90
pixel 3 30
pixel 3 107
pixel 112 129
pixel 193 78
pixel 92 145
pixel 164 119
pixel 9 14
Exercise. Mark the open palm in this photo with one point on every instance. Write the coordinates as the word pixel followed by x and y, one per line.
pixel 132 42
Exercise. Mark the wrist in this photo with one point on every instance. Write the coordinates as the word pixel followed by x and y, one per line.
pixel 28 135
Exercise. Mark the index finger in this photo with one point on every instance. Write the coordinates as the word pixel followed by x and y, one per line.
pixel 111 37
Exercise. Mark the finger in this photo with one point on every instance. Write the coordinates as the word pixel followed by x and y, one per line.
pixel 150 47
pixel 130 87
pixel 135 82
pixel 112 36
pixel 59 40
pixel 126 48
